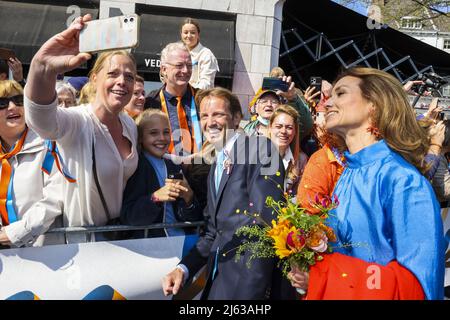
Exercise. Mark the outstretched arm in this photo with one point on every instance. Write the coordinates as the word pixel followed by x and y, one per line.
pixel 58 55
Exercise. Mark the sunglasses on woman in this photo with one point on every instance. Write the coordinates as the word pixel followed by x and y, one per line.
pixel 17 100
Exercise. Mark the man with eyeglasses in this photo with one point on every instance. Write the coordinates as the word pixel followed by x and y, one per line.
pixel 266 103
pixel 176 99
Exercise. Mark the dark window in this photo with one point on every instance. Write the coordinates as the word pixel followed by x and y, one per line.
pixel 27 25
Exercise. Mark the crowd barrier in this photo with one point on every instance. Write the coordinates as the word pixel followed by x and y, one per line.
pixel 106 270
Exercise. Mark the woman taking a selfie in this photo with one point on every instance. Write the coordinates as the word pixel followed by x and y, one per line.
pixel 98 140
pixel 204 63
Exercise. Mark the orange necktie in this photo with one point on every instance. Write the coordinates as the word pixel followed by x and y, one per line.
pixel 6 176
pixel 186 138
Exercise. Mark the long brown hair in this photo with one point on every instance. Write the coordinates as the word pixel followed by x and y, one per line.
pixel 293 171
pixel 393 115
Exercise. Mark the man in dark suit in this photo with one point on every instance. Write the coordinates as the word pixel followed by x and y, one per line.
pixel 176 99
pixel 247 170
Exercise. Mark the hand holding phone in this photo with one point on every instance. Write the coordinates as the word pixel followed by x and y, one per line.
pixel 59 54
pixel 185 191
pixel 274 84
pixel 112 33
pixel 176 176
pixel 175 187
pixel 316 83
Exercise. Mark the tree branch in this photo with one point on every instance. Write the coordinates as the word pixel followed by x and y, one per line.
pixel 430 7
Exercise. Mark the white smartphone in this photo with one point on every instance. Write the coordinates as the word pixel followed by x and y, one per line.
pixel 112 33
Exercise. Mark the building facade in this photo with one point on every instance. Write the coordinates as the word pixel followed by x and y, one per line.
pixel 244 35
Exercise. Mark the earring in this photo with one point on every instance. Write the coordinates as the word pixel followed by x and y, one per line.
pixel 373 130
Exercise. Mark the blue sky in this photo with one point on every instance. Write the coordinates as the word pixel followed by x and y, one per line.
pixel 359 7
pixel 362 8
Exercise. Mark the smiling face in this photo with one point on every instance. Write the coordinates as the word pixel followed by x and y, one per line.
pixel 190 35
pixel 216 118
pixel 115 83
pixel 12 120
pixel 156 135
pixel 282 131
pixel 177 69
pixel 348 112
pixel 136 104
pixel 267 104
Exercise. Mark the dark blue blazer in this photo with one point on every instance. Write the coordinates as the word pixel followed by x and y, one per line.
pixel 244 185
pixel 137 207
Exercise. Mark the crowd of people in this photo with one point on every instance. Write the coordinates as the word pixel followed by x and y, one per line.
pixel 101 151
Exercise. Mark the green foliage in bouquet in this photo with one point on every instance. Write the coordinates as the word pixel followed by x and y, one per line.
pixel 295 237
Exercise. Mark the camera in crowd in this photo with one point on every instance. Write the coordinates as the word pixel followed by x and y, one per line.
pixel 431 82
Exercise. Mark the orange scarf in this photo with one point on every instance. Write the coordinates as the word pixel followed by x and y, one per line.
pixel 6 176
pixel 187 139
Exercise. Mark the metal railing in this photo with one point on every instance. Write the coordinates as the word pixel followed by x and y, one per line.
pixel 89 231
pixel 293 40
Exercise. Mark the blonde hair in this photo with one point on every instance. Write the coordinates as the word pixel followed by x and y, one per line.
pixel 277 72
pixel 90 90
pixel 87 93
pixel 393 116
pixel 10 88
pixel 144 118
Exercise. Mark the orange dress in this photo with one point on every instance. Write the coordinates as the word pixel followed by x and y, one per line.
pixel 319 178
pixel 341 277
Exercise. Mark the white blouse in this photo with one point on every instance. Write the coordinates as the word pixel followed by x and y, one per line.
pixel 74 130
pixel 204 67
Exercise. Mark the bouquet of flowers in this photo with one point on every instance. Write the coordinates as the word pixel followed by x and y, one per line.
pixel 296 237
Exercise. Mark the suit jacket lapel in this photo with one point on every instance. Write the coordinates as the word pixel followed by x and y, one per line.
pixel 223 182
pixel 211 185
pixel 225 175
